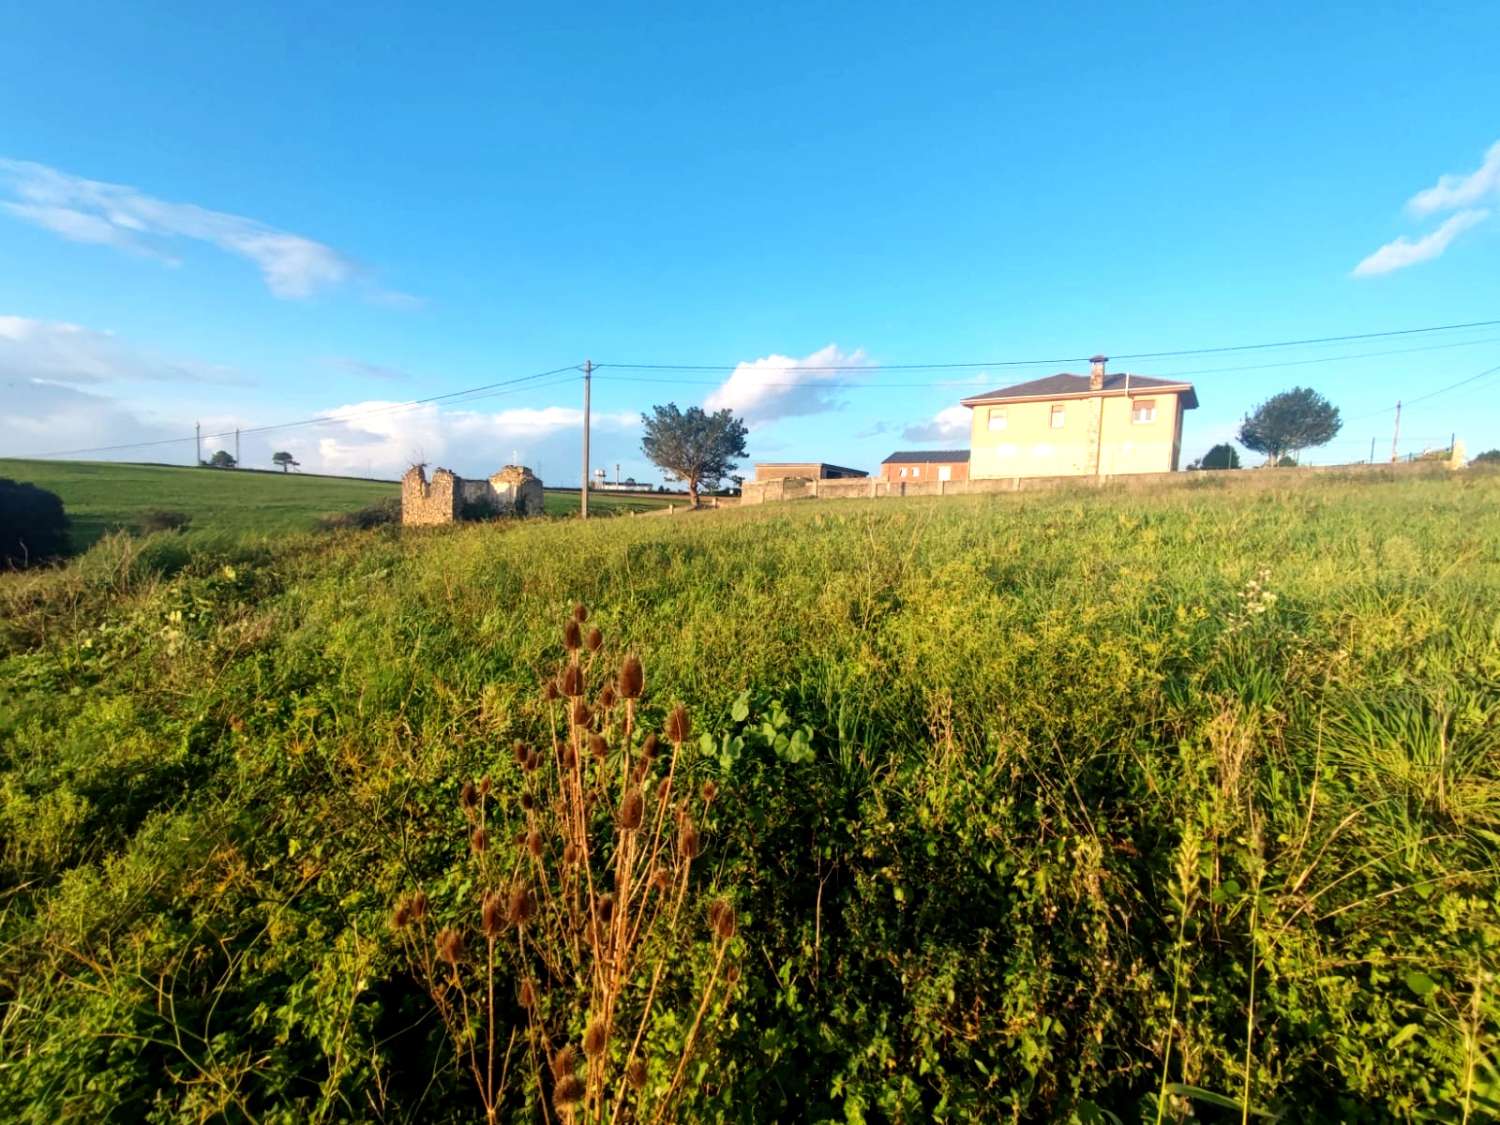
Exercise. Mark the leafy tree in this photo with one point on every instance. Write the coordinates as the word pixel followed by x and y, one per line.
pixel 221 460
pixel 1221 456
pixel 1293 420
pixel 285 460
pixel 693 446
pixel 33 525
pixel 1488 457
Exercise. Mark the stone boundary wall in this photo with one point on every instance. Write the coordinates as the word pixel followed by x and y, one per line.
pixel 874 488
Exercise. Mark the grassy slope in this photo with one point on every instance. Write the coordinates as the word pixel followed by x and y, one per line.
pixel 101 496
pixel 1025 712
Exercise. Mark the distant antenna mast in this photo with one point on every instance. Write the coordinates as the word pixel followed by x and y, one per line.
pixel 236 447
pixel 1396 437
pixel 197 443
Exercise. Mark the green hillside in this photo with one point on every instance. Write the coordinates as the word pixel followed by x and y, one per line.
pixel 1034 807
pixel 101 496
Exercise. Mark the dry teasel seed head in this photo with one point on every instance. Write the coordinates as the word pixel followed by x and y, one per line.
pixel 732 975
pixel 518 748
pixel 710 791
pixel 450 946
pixel 570 854
pixel 606 908
pixel 569 759
pixel 533 760
pixel 572 636
pixel 649 747
pixel 492 915
pixel 632 810
pixel 607 697
pixel 401 916
pixel 522 906
pixel 721 919
pixel 572 681
pixel 569 1093
pixel 528 995
pixel 564 1063
pixel 679 726
pixel 635 1074
pixel 595 639
pixel 485 785
pixel 534 843
pixel 632 677
pixel 528 802
pixel 580 613
pixel 479 841
pixel 468 796
pixel 581 716
pixel 594 1039
pixel 549 691
pixel 688 843
pixel 418 906
pixel 662 880
pixel 598 747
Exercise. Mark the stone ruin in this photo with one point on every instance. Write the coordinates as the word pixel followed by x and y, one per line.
pixel 514 491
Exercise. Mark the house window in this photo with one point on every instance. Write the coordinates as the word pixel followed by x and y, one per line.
pixel 903 470
pixel 997 419
pixel 945 472
pixel 1058 415
pixel 1143 411
pixel 916 470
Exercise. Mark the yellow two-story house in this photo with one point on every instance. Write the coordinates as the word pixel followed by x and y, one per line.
pixel 1098 424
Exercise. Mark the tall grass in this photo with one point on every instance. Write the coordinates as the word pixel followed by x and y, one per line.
pixel 1038 807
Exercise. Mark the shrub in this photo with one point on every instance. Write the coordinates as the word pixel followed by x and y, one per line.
pixel 33 525
pixel 162 519
pixel 362 519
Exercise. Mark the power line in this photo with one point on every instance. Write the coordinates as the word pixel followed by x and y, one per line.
pixel 1066 359
pixel 1430 394
pixel 469 394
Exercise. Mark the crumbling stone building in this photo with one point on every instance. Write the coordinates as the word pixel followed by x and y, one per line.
pixel 514 491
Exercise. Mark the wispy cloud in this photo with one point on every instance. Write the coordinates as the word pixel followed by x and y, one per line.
pixel 82 210
pixel 1458 193
pixel 1454 191
pixel 779 386
pixel 1405 251
pixel 369 370
pixel 949 424
pixel 55 352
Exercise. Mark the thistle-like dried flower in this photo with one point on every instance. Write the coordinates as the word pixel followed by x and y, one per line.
pixel 572 636
pixel 572 681
pixel 580 613
pixel 710 791
pixel 732 975
pixel 492 915
pixel 688 843
pixel 635 1074
pixel 485 786
pixel 650 747
pixel 581 715
pixel 606 908
pixel 450 946
pixel 533 760
pixel 679 726
pixel 528 802
pixel 534 843
pixel 570 854
pixel 662 880
pixel 595 639
pixel 528 995
pixel 607 697
pixel 598 747
pixel 564 1063
pixel 594 1039
pixel 401 916
pixel 468 796
pixel 522 906
pixel 549 691
pixel 721 919
pixel 479 841
pixel 519 749
pixel 632 811
pixel 418 904
pixel 632 677
pixel 568 1093
pixel 567 759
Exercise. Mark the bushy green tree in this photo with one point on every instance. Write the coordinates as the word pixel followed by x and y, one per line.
pixel 284 459
pixel 1488 457
pixel 692 445
pixel 1221 456
pixel 33 525
pixel 1293 420
pixel 222 460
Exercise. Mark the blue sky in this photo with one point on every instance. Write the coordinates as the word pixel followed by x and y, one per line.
pixel 254 215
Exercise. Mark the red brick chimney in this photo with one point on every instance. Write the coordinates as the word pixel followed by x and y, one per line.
pixel 1096 372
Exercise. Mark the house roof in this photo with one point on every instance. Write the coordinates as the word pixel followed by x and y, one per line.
pixel 1065 385
pixel 928 457
pixel 802 464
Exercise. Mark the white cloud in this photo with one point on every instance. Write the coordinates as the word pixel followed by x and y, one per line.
pixel 779 386
pixel 42 417
pixel 117 215
pixel 1452 192
pixel 57 352
pixel 1405 252
pixel 949 424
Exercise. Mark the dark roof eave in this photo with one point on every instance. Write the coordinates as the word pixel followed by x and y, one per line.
pixel 1189 395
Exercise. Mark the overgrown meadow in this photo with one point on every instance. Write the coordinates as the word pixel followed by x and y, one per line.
pixel 1036 807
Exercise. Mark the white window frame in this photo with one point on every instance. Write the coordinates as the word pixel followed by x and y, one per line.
pixel 903 470
pixel 1143 411
pixel 916 470
pixel 997 419
pixel 1059 415
pixel 945 472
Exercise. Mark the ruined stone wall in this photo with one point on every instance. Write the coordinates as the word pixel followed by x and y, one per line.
pixel 424 503
pixel 517 491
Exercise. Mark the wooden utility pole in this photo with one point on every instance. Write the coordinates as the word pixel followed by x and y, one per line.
pixel 197 444
pixel 1396 436
pixel 1372 451
pixel 583 507
pixel 236 447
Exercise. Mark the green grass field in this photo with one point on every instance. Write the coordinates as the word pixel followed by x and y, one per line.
pixel 1032 807
pixel 104 496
